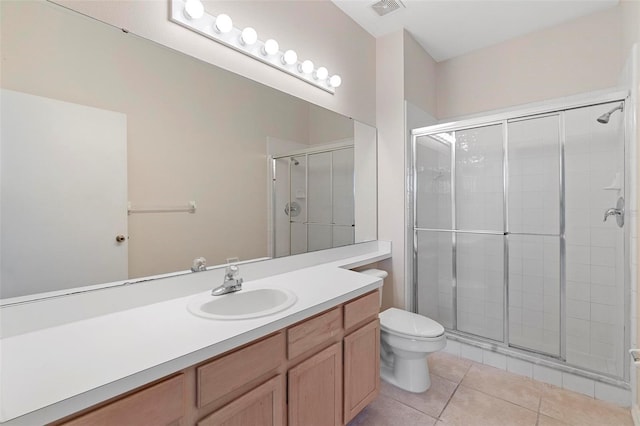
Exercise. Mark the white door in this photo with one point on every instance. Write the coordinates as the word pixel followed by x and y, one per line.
pixel 63 195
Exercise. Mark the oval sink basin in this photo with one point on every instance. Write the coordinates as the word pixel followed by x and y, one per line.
pixel 243 304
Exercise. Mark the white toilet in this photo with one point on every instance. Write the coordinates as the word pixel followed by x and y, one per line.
pixel 406 339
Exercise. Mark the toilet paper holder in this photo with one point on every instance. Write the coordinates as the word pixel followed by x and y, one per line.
pixel 635 355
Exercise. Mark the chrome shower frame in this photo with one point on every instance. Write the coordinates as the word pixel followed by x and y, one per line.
pixel 503 118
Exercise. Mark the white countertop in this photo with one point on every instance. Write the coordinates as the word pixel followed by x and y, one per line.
pixel 51 372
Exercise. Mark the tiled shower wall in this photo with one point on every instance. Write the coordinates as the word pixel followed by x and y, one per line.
pixel 594 162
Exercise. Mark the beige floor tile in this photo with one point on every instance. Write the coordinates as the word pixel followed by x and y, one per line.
pixel 504 385
pixel 431 402
pixel 389 412
pixel 448 366
pixel 549 421
pixel 580 410
pixel 469 407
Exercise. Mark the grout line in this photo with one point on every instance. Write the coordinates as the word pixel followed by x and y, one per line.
pixel 454 390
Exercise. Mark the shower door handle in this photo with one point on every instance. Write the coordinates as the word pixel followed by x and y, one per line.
pixel 618 212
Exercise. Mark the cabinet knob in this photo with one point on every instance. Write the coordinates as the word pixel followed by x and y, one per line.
pixel 120 238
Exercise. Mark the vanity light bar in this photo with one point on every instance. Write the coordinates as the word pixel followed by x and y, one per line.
pixel 191 14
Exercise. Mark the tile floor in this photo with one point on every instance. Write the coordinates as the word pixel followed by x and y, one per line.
pixel 466 393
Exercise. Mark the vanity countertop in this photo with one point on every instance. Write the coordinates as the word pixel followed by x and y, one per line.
pixel 52 372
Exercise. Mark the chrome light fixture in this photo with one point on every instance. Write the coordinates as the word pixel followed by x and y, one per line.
pixel 192 15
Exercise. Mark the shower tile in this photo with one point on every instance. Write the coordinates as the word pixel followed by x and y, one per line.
pixel 603 275
pixel 386 411
pixel 607 314
pixel 494 359
pixel 520 367
pixel 547 375
pixel 578 384
pixel 470 352
pixel 578 309
pixel 602 294
pixel 616 395
pixel 448 367
pixel 576 409
pixel 469 407
pixel 431 402
pixel 452 348
pixel 603 256
pixel 504 385
pixel 579 291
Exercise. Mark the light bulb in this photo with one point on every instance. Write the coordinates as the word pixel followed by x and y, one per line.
pixel 193 9
pixel 248 37
pixel 223 24
pixel 321 74
pixel 270 47
pixel 335 81
pixel 289 57
pixel 306 67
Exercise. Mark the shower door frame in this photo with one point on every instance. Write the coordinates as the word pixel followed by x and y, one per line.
pixel 503 118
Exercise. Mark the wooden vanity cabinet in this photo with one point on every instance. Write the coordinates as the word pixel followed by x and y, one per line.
pixel 321 371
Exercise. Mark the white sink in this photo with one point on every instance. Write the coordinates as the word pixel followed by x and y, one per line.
pixel 243 304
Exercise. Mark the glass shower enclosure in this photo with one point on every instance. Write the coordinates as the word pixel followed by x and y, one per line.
pixel 511 242
pixel 313 201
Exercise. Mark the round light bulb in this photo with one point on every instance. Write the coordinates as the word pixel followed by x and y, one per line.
pixel 249 36
pixel 321 73
pixel 193 9
pixel 306 67
pixel 335 81
pixel 289 57
pixel 271 47
pixel 223 24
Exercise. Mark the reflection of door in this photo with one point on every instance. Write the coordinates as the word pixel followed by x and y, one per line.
pixel 59 225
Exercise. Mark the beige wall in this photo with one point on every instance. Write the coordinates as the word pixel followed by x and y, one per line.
pixel 390 123
pixel 419 76
pixel 325 127
pixel 318 30
pixel 404 71
pixel 580 56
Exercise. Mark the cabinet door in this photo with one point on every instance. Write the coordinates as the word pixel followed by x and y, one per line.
pixel 315 389
pixel 262 406
pixel 361 368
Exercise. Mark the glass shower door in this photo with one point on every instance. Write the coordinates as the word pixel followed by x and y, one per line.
pixel 479 224
pixel 535 230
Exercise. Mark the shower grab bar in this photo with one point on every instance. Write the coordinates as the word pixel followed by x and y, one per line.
pixel 191 208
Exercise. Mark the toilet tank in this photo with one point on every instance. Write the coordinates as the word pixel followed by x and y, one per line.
pixel 377 273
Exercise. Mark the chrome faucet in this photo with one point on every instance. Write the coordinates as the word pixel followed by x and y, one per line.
pixel 231 282
pixel 611 212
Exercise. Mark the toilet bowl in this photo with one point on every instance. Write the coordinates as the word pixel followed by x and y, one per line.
pixel 406 339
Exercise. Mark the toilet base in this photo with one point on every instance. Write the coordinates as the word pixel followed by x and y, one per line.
pixel 409 374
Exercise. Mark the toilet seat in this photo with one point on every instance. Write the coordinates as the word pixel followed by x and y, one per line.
pixel 409 325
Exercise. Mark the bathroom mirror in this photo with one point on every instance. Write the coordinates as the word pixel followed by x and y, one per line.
pixel 156 157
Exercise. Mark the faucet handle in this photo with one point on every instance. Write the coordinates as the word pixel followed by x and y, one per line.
pixel 232 271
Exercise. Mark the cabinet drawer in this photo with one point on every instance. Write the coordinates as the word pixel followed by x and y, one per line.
pixel 264 406
pixel 313 332
pixel 161 404
pixel 237 369
pixel 361 310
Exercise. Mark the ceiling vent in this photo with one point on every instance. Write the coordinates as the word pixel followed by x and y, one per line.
pixel 384 7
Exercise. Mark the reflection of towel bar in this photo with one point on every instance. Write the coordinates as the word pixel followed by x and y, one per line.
pixel 191 208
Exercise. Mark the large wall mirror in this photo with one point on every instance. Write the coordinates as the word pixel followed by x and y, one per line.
pixel 124 159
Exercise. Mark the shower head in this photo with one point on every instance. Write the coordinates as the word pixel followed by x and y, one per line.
pixel 604 118
pixel 294 161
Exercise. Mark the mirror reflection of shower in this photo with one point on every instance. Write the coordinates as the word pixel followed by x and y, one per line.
pixel 604 118
pixel 313 199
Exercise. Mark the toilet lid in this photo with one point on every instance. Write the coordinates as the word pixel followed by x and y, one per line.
pixel 404 322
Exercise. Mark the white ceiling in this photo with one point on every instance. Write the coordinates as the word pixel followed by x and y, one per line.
pixel 449 28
